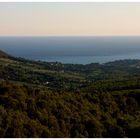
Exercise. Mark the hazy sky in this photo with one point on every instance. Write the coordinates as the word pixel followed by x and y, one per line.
pixel 69 19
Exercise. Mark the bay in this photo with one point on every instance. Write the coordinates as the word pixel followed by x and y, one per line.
pixel 73 49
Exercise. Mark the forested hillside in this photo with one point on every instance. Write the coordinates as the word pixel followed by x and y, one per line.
pixel 41 99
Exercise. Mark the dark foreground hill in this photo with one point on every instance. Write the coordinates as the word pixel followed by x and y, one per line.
pixel 40 99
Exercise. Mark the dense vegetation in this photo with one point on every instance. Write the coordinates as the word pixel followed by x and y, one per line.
pixel 40 99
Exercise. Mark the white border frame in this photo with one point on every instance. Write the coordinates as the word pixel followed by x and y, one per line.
pixel 70 1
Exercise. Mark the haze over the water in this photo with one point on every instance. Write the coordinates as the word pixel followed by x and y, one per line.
pixel 69 19
pixel 79 50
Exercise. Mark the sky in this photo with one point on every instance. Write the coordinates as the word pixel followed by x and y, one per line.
pixel 69 19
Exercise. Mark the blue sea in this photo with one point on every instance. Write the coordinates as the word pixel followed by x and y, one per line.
pixel 73 49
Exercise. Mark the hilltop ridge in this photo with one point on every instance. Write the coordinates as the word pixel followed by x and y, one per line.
pixel 65 76
pixel 4 54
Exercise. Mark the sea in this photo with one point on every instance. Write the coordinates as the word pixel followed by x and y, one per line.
pixel 72 49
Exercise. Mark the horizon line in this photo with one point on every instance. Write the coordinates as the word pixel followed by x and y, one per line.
pixel 69 35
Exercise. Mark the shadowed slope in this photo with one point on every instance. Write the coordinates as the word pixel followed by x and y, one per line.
pixel 4 55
